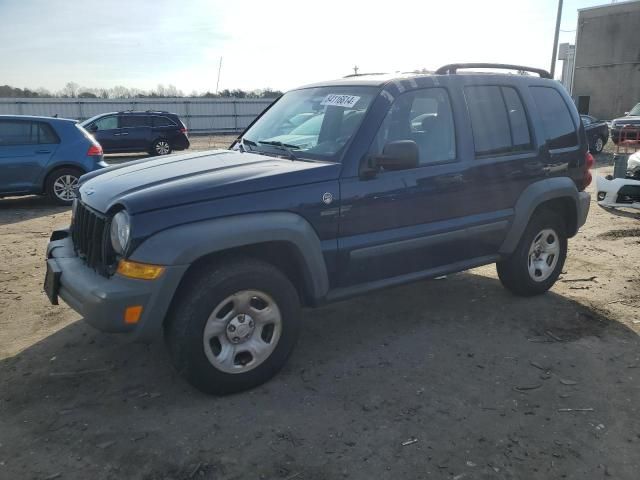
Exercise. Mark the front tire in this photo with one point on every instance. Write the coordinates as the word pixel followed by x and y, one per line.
pixel 233 326
pixel 538 259
pixel 161 146
pixel 61 184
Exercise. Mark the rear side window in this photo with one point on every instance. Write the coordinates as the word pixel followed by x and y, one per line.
pixel 129 121
pixel 162 122
pixel 498 120
pixel 556 117
pixel 26 133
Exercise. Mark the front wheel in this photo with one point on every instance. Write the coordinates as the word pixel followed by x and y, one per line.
pixel 536 263
pixel 61 185
pixel 233 327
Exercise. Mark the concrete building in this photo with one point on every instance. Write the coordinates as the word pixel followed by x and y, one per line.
pixel 606 79
pixel 567 54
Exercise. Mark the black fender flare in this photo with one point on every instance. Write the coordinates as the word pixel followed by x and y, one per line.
pixel 184 244
pixel 532 197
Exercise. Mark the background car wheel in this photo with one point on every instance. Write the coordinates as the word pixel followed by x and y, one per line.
pixel 598 144
pixel 61 184
pixel 536 263
pixel 232 326
pixel 161 147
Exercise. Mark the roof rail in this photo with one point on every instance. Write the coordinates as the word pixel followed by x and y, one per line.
pixel 452 68
pixel 363 74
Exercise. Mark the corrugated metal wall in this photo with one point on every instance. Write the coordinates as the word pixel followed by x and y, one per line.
pixel 201 115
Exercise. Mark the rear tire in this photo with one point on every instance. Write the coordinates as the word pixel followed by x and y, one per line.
pixel 538 259
pixel 233 326
pixel 161 146
pixel 61 184
pixel 598 144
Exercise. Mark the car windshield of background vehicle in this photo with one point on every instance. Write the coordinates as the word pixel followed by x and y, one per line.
pixel 635 110
pixel 314 123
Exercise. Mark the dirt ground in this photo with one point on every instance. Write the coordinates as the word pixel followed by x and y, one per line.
pixel 453 379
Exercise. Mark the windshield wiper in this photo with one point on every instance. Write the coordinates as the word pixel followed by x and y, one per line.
pixel 244 142
pixel 286 147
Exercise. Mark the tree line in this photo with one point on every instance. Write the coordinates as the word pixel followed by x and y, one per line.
pixel 73 90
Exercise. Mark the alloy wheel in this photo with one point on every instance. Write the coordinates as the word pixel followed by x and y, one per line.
pixel 64 187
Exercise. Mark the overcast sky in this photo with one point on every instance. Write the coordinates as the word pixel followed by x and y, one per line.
pixel 276 44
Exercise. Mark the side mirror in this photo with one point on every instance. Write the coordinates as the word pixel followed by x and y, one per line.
pixel 398 155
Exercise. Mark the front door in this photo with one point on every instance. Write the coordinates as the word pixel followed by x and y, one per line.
pixel 107 133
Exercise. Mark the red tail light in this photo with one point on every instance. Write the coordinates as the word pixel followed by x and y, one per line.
pixel 94 150
pixel 589 163
pixel 184 130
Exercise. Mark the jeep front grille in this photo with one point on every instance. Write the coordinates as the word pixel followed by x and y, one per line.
pixel 90 235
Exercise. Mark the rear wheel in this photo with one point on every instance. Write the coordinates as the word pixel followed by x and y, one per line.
pixel 598 144
pixel 61 184
pixel 536 263
pixel 233 326
pixel 161 147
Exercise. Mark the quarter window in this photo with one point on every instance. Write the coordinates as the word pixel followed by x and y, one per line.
pixel 162 122
pixel 556 118
pixel 425 117
pixel 498 120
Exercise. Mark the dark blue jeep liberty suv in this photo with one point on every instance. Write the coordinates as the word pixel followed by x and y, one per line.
pixel 337 189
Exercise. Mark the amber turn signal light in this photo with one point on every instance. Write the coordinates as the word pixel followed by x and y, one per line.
pixel 132 314
pixel 141 271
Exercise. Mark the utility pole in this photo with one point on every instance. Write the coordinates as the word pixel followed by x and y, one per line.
pixel 219 68
pixel 355 70
pixel 555 40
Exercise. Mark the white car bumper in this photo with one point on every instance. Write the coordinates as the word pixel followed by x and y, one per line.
pixel 619 192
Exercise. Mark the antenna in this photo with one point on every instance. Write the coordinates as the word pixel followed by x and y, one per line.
pixel 219 68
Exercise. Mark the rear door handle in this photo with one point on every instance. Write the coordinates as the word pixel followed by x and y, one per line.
pixel 43 151
pixel 124 133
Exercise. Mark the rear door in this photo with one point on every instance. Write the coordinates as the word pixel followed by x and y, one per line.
pixel 25 149
pixel 135 132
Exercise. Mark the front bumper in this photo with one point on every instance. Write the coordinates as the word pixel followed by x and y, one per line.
pixel 102 301
pixel 618 192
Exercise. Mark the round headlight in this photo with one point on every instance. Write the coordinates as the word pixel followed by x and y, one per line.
pixel 120 230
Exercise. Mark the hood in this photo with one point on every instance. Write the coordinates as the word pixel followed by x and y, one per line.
pixel 630 120
pixel 164 182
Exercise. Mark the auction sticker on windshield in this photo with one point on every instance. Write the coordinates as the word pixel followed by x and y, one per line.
pixel 334 100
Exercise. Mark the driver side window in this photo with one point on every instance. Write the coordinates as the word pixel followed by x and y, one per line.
pixel 425 117
pixel 107 123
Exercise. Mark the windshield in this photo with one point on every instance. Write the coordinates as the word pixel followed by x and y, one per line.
pixel 315 122
pixel 635 110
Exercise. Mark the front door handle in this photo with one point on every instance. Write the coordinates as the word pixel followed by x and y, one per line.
pixel 43 151
pixel 124 133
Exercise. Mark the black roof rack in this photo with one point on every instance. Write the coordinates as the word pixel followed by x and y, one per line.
pixel 452 68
